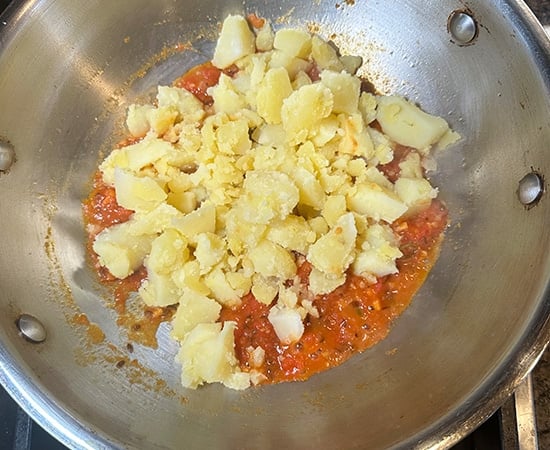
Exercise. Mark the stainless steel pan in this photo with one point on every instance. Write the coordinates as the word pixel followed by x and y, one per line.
pixel 68 69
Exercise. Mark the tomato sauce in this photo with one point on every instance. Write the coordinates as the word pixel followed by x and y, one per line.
pixel 351 319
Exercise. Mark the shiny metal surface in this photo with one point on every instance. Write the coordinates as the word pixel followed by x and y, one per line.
pixel 531 188
pixel 463 27
pixel 7 155
pixel 525 415
pixel 68 71
pixel 31 328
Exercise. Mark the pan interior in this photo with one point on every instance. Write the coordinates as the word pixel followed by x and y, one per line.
pixel 69 71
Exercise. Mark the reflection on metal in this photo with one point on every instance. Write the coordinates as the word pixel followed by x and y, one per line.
pixel 31 328
pixel 7 155
pixel 530 189
pixel 525 415
pixel 462 26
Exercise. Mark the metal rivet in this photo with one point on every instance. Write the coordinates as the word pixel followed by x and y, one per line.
pixel 7 155
pixel 462 27
pixel 31 328
pixel 531 188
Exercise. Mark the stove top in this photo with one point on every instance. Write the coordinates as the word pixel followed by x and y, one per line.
pixel 523 422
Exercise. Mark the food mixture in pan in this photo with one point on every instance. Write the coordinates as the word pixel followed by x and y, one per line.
pixel 273 204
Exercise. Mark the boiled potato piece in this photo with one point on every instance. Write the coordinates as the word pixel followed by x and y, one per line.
pixel 407 124
pixel 376 202
pixel 272 260
pixel 136 119
pixel 304 109
pixel 323 283
pixel 137 193
pixel 218 283
pixel 293 42
pixel 207 355
pixel 345 90
pixel 120 251
pixel 334 252
pixel 209 251
pixel 351 63
pixel 236 40
pixel 264 290
pixel 416 193
pixel 265 38
pixel 378 253
pixel 287 324
pixel 227 99
pixel 311 191
pixel 268 195
pixel 273 89
pixel 193 309
pixel 292 233
pixel 159 289
pixel 168 251
pixel 325 55
pixel 334 208
pixel 202 220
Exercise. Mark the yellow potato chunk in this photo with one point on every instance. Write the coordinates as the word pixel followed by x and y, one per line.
pixel 235 41
pixel 265 38
pixel 264 289
pixel 193 309
pixel 188 277
pixel 325 55
pixel 273 89
pixel 202 220
pixel 155 221
pixel 183 201
pixel 311 191
pixel 294 42
pixel 120 251
pixel 334 208
pixel 378 252
pixel 351 63
pixel 159 289
pixel 221 289
pixel 292 233
pixel 209 251
pixel 268 195
pixel 304 109
pixel 291 64
pixel 323 283
pixel 207 355
pixel 345 90
pixel 334 252
pixel 137 193
pixel 356 140
pixel 226 97
pixel 407 124
pixel 168 251
pixel 136 119
pixel 376 202
pixel 416 193
pixel 272 260
pixel 190 109
pixel 232 137
pixel 367 106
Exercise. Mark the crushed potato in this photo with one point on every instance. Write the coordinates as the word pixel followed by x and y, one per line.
pixel 284 167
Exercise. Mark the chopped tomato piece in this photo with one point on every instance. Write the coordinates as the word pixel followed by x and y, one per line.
pixel 198 80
